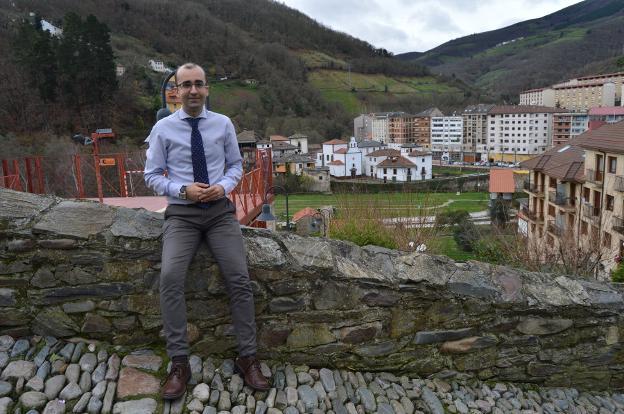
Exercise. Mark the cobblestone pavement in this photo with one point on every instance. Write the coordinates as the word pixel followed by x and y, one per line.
pixel 50 376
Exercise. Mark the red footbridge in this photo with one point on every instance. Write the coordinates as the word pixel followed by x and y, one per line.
pixel 117 179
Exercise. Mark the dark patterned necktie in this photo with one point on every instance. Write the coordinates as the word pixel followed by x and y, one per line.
pixel 200 169
pixel 198 157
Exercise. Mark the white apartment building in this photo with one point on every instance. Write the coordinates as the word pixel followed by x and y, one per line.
pixel 446 137
pixel 517 132
pixel 538 97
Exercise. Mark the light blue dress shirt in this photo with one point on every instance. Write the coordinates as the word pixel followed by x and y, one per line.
pixel 170 150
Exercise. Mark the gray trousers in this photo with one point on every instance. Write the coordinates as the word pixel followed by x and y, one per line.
pixel 184 229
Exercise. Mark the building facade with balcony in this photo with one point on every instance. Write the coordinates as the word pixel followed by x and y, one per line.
pixel 551 214
pixel 603 191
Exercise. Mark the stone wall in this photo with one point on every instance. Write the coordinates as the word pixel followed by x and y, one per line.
pixel 476 182
pixel 71 268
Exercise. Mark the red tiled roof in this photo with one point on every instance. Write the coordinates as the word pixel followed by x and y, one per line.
pixel 564 162
pixel 336 162
pixel 384 153
pixel 278 138
pixel 341 151
pixel 582 85
pixel 608 138
pixel 607 110
pixel 521 109
pixel 305 212
pixel 334 142
pixel 603 75
pixel 502 180
pixel 400 162
pixel 416 153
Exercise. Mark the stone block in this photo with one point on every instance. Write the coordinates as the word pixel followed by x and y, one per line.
pixel 7 297
pixel 286 304
pixel 432 337
pixel 306 336
pixel 58 244
pixel 79 307
pixel 133 383
pixel 542 326
pixel 79 219
pixel 18 204
pixel 54 322
pixel 474 343
pixel 94 323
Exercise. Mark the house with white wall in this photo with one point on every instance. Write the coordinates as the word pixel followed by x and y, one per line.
pixel 423 162
pixel 375 157
pixel 396 169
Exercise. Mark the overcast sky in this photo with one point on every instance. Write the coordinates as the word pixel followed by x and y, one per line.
pixel 419 25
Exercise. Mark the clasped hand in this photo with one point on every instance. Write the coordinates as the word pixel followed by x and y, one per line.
pixel 201 192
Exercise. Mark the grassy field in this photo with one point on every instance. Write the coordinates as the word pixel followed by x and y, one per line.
pixel 445 244
pixel 394 204
pixel 341 80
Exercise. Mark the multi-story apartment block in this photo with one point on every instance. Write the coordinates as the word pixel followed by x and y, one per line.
pixel 401 128
pixel 603 192
pixel 446 137
pixel 517 132
pixel 576 196
pixel 363 127
pixel 422 128
pixel 579 123
pixel 552 211
pixel 579 94
pixel 538 97
pixel 475 131
pixel 581 97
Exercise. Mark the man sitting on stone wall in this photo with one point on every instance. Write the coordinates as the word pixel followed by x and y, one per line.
pixel 199 151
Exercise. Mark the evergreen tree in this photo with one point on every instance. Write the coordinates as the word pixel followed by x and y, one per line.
pixel 33 50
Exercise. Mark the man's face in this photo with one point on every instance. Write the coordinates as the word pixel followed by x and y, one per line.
pixel 193 98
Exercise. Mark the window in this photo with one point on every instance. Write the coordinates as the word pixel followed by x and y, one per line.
pixel 612 163
pixel 610 202
pixel 394 171
pixel 606 239
pixel 385 171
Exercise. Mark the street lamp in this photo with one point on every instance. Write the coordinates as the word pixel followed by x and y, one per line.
pixel 266 214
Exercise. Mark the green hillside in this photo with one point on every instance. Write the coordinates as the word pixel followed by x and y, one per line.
pixel 306 77
pixel 582 39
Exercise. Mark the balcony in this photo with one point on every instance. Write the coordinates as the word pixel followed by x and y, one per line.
pixel 531 215
pixel 617 224
pixel 536 189
pixel 592 213
pixel 618 184
pixel 594 176
pixel 555 228
pixel 560 200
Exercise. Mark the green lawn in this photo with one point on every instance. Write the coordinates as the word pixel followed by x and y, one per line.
pixel 391 204
pixel 445 245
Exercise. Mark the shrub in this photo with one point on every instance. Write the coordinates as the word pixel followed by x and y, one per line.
pixel 466 235
pixel 617 275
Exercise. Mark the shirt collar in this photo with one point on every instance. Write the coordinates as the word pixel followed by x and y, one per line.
pixel 184 115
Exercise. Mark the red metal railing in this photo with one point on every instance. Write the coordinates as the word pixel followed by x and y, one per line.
pixel 121 175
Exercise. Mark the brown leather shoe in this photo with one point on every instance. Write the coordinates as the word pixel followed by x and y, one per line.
pixel 249 368
pixel 175 384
